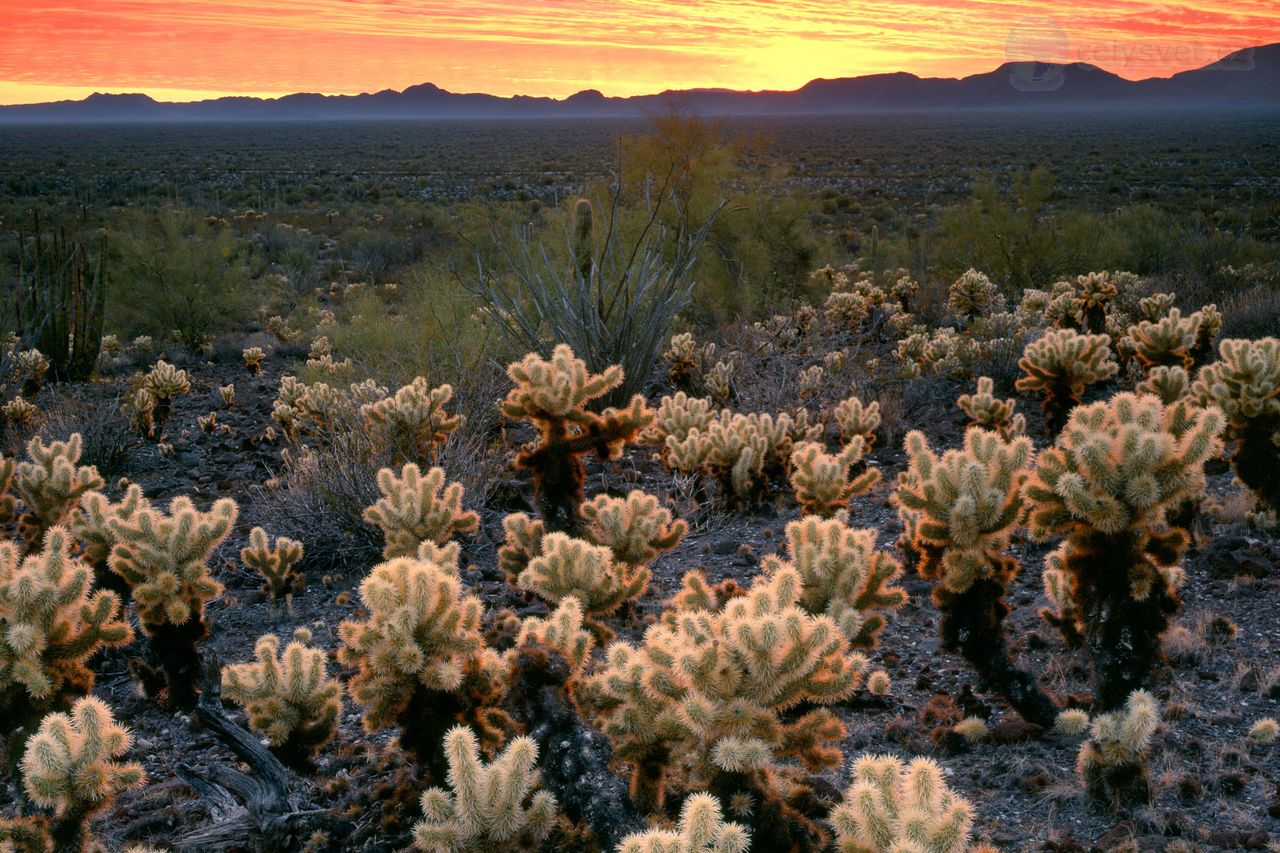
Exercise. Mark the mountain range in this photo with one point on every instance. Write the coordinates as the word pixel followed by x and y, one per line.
pixel 1248 78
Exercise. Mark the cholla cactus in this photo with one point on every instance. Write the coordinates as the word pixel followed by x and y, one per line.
pixel 29 368
pixel 682 359
pixel 1245 384
pixel 50 484
pixel 19 412
pixel 1062 612
pixel 412 424
pixel 856 419
pixel 562 630
pixel 491 807
pixel 253 358
pixel 414 509
pixel 823 482
pixel 208 423
pixel 1208 322
pixel 1167 341
pixel 164 383
pixel 1107 485
pixel 702 829
pixel 847 310
pixel 553 396
pixel 973 295
pixel 1112 763
pixel 90 522
pixel 1060 365
pixel 68 766
pixel 274 562
pixel 289 697
pixel 51 624
pixel 677 416
pixel 589 573
pixel 635 528
pixel 809 381
pixel 741 452
pixel 164 560
pixel 411 651
pixel 843 576
pixel 959 510
pixel 893 807
pixel 1169 383
pixel 1157 305
pixel 228 395
pixel 711 687
pixel 1094 292
pixel 989 412
pixel 141 407
pixel 719 381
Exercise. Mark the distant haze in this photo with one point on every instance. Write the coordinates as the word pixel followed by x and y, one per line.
pixel 196 49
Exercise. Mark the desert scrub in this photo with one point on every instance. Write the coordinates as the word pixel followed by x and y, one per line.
pixel 164 560
pixel 959 511
pixel 1106 486
pixel 843 576
pixel 1061 365
pixel 289 697
pixel 68 766
pixel 1245 384
pixel 824 483
pixel 553 396
pixel 494 806
pixel 416 508
pixel 52 622
pixel 895 806
pixel 704 698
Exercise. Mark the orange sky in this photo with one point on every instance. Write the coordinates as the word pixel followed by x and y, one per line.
pixel 193 49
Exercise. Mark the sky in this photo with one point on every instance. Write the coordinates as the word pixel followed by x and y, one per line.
pixel 193 49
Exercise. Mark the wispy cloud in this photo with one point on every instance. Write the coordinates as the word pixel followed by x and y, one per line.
pixel 557 47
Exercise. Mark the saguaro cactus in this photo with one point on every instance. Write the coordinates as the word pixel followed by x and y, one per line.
pixel 959 511
pixel 164 559
pixel 1107 485
pixel 553 396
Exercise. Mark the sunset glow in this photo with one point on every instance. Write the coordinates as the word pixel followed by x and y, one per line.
pixel 206 48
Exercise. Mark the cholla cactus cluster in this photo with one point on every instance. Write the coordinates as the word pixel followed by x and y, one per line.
pixel 275 562
pixel 858 419
pixel 19 412
pixel 1106 485
pixel 413 423
pixel 973 295
pixel 702 829
pixel 289 696
pixel 895 806
pixel 553 396
pixel 682 359
pixel 1061 365
pixel 163 384
pixel 842 575
pixel 1112 763
pixel 824 483
pixel 495 806
pixel 50 483
pixel 569 567
pixel 253 358
pixel 416 508
pixel 740 452
pixel 984 409
pixel 28 368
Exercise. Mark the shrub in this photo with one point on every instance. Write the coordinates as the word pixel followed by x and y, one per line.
pixel 289 696
pixel 959 510
pixel 1106 485
pixel 493 806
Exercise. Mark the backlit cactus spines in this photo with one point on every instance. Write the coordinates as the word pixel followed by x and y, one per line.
pixel 635 528
pixel 959 510
pixel 416 508
pixel 719 381
pixel 275 562
pixel 413 423
pixel 164 560
pixel 1168 382
pixel 1061 612
pixel 843 576
pixel 682 359
pixel 69 766
pixel 1167 341
pixel 28 368
pixel 495 806
pixel 91 524
pixel 589 573
pixel 1107 485
pixel 553 396
pixel 1061 365
pixel 702 829
pixel 561 630
pixel 164 383
pixel 894 807
pixel 677 416
pixel 1112 763
pixel 1094 292
pixel 51 623
pixel 8 503
pixel 973 295
pixel 823 482
pixel 856 419
pixel 50 484
pixel 989 412
pixel 741 452
pixel 19 412
pixel 289 696
pixel 1245 384
pixel 523 542
pixel 252 358
pixel 1157 305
